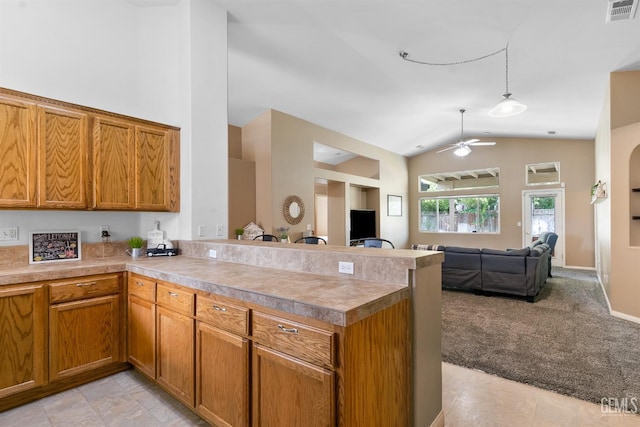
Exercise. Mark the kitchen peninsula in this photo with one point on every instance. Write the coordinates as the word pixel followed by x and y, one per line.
pixel 267 322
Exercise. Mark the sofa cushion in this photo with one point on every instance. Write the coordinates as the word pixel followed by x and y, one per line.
pixel 512 252
pixel 535 243
pixel 462 258
pixel 461 250
pixel 539 250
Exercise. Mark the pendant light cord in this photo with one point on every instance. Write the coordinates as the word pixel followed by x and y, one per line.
pixel 506 62
pixel 405 55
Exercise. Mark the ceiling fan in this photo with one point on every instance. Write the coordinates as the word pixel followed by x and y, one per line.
pixel 462 147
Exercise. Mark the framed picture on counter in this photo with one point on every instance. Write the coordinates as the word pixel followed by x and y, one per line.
pixel 54 246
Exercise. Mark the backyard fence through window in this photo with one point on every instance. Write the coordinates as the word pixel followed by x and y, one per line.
pixel 469 214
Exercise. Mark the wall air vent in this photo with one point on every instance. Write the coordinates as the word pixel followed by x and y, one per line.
pixel 621 10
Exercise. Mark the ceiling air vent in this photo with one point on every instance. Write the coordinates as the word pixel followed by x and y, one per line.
pixel 621 10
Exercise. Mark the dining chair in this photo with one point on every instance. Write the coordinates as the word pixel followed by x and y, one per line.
pixel 311 240
pixel 267 238
pixel 376 242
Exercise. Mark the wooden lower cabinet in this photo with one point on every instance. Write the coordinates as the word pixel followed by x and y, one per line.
pixel 222 376
pixel 86 330
pixel 141 324
pixel 241 364
pixel 175 354
pixel 22 334
pixel 141 336
pixel 290 392
pixel 84 335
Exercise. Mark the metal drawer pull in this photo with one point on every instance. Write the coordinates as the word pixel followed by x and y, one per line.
pixel 215 307
pixel 80 285
pixel 290 330
pixel 172 294
pixel 140 283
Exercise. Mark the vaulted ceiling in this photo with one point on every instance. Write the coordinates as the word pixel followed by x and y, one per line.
pixel 337 64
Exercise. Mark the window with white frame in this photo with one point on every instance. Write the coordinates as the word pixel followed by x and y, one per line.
pixel 459 180
pixel 460 214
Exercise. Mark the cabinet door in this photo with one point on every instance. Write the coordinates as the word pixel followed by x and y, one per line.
pixel 113 164
pixel 176 354
pixel 18 161
pixel 22 333
pixel 290 392
pixel 142 335
pixel 84 335
pixel 63 178
pixel 222 376
pixel 152 168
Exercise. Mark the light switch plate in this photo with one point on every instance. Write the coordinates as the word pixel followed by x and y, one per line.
pixel 9 233
pixel 345 267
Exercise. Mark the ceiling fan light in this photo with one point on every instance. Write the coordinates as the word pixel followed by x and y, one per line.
pixel 507 107
pixel 462 151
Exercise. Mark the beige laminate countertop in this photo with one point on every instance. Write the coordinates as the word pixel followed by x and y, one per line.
pixel 337 300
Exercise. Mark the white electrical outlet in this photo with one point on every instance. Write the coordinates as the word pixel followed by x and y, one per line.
pixel 213 253
pixel 345 267
pixel 201 231
pixel 8 233
pixel 219 229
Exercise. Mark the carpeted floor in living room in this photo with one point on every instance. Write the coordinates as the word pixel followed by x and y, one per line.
pixel 566 342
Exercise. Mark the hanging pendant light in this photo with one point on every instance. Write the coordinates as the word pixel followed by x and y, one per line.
pixel 508 106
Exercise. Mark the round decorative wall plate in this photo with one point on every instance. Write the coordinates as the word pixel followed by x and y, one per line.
pixel 293 209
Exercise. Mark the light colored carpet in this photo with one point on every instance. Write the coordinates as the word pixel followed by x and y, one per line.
pixel 565 342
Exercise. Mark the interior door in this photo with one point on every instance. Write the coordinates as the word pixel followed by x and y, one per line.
pixel 543 210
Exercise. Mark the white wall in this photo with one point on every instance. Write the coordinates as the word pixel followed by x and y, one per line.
pixel 164 63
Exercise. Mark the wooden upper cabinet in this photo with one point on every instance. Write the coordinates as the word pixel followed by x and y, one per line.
pixel 57 155
pixel 135 166
pixel 18 159
pixel 152 160
pixel 114 161
pixel 63 153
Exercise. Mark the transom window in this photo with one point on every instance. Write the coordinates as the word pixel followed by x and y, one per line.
pixel 467 214
pixel 459 180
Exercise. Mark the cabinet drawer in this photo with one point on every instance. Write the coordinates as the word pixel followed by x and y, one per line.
pixel 304 342
pixel 220 313
pixel 83 287
pixel 142 287
pixel 176 299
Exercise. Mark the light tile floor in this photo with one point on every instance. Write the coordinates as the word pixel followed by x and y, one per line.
pixel 470 399
pixel 473 398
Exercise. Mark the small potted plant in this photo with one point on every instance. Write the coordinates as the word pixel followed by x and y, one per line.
pixel 283 232
pixel 135 243
pixel 239 233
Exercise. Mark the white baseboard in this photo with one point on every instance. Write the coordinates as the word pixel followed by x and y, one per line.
pixel 606 297
pixel 439 420
pixel 623 316
pixel 577 267
pixel 614 313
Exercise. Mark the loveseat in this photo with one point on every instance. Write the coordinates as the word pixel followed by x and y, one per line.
pixel 520 272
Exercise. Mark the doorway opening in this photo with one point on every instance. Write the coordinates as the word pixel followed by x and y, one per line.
pixel 543 210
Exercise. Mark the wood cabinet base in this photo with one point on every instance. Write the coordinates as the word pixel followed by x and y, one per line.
pixel 60 385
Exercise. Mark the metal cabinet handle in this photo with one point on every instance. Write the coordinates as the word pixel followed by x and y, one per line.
pixel 172 294
pixel 140 283
pixel 290 330
pixel 217 308
pixel 80 285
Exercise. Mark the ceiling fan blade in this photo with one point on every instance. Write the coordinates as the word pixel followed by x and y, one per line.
pixel 448 148
pixel 482 143
pixel 469 141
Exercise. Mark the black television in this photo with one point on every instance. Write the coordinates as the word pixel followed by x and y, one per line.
pixel 363 223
